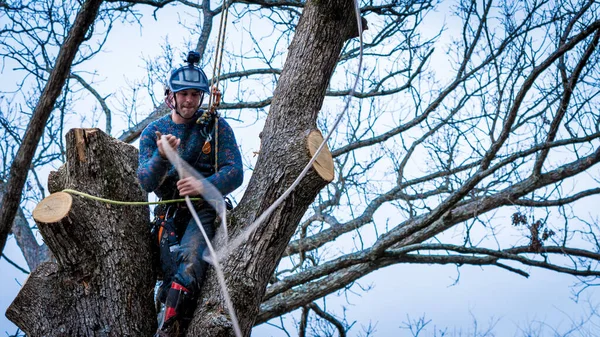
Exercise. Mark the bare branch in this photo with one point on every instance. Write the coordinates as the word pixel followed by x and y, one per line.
pixel 567 95
pixel 330 234
pixel 557 202
pixel 100 99
pixel 10 202
pixel 12 263
pixel 280 299
pixel 338 325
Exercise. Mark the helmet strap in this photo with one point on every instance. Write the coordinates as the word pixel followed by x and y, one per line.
pixel 169 99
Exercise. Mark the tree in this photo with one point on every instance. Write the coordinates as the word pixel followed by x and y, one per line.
pixel 23 158
pixel 98 281
pixel 510 132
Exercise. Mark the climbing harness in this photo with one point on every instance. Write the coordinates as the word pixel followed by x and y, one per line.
pixel 168 241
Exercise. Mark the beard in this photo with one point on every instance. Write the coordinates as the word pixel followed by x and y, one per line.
pixel 187 111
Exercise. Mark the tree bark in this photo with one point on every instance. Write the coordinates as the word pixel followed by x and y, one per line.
pixel 102 281
pixel 313 55
pixel 20 165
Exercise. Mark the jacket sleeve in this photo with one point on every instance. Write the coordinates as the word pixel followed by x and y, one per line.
pixel 152 168
pixel 230 174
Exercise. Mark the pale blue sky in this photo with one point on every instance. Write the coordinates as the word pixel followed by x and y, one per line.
pixel 398 291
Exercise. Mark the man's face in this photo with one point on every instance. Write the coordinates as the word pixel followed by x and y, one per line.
pixel 188 102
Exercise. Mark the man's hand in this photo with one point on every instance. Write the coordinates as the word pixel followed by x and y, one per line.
pixel 189 186
pixel 171 140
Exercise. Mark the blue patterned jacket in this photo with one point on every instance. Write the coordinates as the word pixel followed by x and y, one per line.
pixel 157 175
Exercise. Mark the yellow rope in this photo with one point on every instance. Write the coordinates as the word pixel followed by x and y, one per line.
pixel 127 203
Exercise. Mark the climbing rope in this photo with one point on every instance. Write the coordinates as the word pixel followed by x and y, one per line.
pixel 245 234
pixel 212 195
pixel 214 81
pixel 219 49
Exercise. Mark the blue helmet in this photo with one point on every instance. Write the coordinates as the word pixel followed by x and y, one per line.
pixel 189 76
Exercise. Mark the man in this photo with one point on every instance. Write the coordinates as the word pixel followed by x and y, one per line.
pixel 181 241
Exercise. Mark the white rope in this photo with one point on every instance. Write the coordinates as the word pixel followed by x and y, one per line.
pixel 215 199
pixel 244 235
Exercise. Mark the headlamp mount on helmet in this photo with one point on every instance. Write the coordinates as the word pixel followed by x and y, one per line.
pixel 193 58
pixel 189 76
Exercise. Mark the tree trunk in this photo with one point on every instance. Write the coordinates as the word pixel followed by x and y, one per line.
pixel 102 281
pixel 313 55
pixel 33 253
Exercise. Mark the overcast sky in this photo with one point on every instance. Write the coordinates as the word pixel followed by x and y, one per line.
pixel 451 298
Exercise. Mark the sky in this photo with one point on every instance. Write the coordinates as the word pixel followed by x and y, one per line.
pixel 447 297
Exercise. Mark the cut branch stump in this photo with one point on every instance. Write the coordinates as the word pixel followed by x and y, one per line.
pixel 102 280
pixel 324 162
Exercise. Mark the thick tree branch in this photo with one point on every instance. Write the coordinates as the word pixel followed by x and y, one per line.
pixel 329 234
pixel 19 168
pixel 273 3
pixel 557 202
pixel 207 24
pixel 303 322
pixel 34 254
pixel 251 72
pixel 322 280
pixel 154 3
